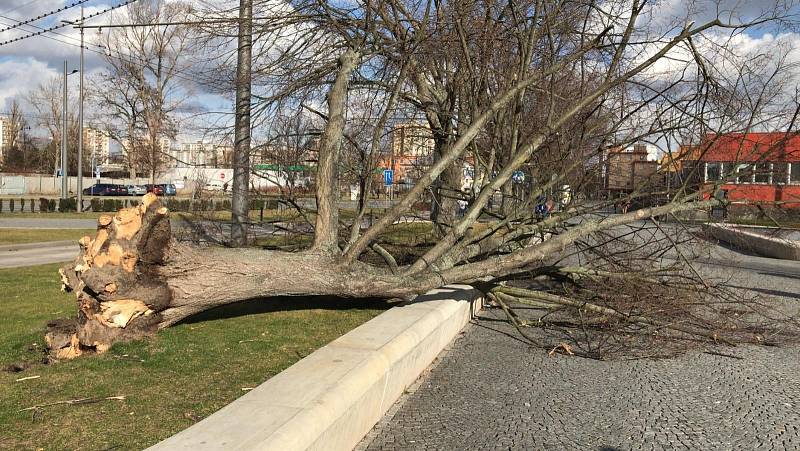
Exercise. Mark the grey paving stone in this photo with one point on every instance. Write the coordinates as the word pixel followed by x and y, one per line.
pixel 492 391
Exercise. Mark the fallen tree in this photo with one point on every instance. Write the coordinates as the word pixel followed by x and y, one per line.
pixel 449 64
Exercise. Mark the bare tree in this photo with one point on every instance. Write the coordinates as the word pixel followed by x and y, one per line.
pixel 521 85
pixel 141 91
pixel 13 155
pixel 47 101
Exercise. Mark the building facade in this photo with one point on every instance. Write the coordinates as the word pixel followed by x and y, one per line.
pixel 199 154
pixel 750 167
pixel 627 168
pixel 412 151
pixel 97 144
pixel 4 138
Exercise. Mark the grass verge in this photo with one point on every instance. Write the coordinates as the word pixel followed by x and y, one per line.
pixel 183 374
pixel 22 236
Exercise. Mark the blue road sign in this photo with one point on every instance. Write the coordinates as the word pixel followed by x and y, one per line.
pixel 518 176
pixel 388 177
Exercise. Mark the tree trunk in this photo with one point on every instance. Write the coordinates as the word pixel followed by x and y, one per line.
pixel 132 279
pixel 240 201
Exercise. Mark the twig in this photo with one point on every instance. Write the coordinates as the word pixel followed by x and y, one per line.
pixel 512 317
pixel 28 378
pixel 556 299
pixel 76 401
pixel 724 355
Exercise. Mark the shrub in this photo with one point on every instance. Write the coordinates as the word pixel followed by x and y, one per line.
pixel 43 204
pixel 65 205
pixel 108 205
pixel 51 205
pixel 95 204
pixel 11 205
pixel 33 204
pixel 22 205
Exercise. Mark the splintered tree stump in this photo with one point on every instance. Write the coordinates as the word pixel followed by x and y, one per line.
pixel 132 279
pixel 117 291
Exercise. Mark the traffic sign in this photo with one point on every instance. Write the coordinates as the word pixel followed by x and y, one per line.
pixel 518 176
pixel 388 177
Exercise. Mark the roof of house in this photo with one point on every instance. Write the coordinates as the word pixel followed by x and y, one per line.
pixel 768 146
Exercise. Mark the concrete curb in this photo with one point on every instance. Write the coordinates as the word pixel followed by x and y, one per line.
pixel 760 244
pixel 332 398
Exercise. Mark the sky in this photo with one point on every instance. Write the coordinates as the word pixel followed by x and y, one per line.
pixel 26 64
pixel 30 62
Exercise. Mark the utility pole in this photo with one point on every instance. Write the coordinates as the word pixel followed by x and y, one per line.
pixel 64 180
pixel 80 127
pixel 241 151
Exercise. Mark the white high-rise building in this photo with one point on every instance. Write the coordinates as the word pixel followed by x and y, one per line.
pixel 198 154
pixel 4 138
pixel 97 144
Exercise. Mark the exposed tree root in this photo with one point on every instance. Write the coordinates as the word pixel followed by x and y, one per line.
pixel 132 279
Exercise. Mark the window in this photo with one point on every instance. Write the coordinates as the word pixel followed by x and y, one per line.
pixel 713 172
pixel 745 173
pixel 762 173
pixel 779 173
pixel 794 173
pixel 727 171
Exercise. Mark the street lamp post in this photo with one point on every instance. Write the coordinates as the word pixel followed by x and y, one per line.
pixel 80 128
pixel 64 179
pixel 80 119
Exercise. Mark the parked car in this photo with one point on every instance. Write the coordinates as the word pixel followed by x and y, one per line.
pixel 136 190
pixel 169 189
pixel 105 189
pixel 155 189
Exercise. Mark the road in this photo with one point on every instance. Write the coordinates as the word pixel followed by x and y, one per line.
pixel 490 390
pixel 17 255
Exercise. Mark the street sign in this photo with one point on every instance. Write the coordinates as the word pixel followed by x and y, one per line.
pixel 518 176
pixel 388 177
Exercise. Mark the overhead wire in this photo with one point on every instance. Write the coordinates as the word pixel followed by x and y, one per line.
pixel 66 24
pixel 42 16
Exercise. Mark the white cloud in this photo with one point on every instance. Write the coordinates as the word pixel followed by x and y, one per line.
pixel 18 76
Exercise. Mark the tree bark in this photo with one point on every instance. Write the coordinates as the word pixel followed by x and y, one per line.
pixel 132 279
pixel 326 237
pixel 241 154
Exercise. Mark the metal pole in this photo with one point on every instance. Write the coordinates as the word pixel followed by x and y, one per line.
pixel 64 181
pixel 80 128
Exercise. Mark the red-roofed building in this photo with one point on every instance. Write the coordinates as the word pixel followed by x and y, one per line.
pixel 757 167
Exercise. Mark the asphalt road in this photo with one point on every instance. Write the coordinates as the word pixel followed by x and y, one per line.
pixel 492 391
pixel 18 255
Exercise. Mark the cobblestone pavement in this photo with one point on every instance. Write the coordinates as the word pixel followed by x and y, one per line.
pixel 492 391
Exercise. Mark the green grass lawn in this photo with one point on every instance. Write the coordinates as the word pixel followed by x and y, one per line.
pixel 21 236
pixel 54 215
pixel 170 381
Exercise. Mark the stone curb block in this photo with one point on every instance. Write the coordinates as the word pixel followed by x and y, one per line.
pixel 749 241
pixel 330 399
